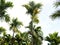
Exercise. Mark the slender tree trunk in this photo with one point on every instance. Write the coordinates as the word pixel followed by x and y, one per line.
pixel 13 38
pixel 13 33
pixel 32 30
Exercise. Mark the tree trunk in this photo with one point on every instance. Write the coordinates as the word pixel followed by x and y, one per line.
pixel 33 33
pixel 13 38
pixel 13 33
pixel 32 30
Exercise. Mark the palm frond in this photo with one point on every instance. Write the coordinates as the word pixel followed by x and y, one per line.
pixel 32 4
pixel 7 18
pixel 2 2
pixel 38 5
pixel 26 6
pixel 53 38
pixel 57 4
pixel 56 15
pixel 8 4
pixel 3 6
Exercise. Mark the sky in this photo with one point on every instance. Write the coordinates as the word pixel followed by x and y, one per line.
pixel 48 25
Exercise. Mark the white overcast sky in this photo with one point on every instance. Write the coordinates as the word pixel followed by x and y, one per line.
pixel 47 24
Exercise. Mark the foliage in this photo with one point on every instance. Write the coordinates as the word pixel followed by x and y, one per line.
pixel 3 6
pixel 57 4
pixel 14 25
pixel 32 37
pixel 53 39
pixel 33 10
pixel 57 13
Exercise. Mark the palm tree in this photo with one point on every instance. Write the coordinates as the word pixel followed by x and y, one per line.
pixel 57 13
pixel 14 25
pixel 33 10
pixel 3 6
pixel 53 39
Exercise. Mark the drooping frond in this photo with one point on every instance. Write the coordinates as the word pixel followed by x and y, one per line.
pixel 57 4
pixel 27 6
pixel 8 4
pixel 3 6
pixel 55 15
pixel 53 38
pixel 38 5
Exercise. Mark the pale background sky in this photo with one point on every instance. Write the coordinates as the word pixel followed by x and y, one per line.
pixel 47 24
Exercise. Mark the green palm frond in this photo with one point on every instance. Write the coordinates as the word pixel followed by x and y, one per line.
pixel 3 6
pixel 8 4
pixel 57 4
pixel 53 38
pixel 55 15
pixel 38 5
pixel 27 6
pixel 7 18
pixel 2 1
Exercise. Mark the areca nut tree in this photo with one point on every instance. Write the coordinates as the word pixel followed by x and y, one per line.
pixel 14 25
pixel 33 9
